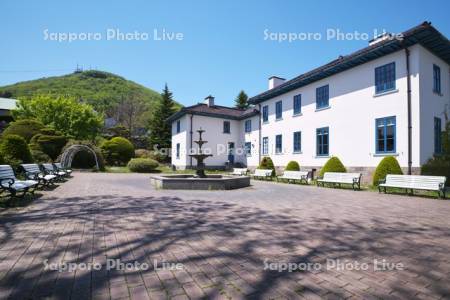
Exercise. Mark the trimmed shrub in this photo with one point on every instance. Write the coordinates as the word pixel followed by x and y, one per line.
pixel 51 145
pixel 292 166
pixel 267 163
pixel 39 156
pixel 25 128
pixel 333 165
pixel 388 165
pixel 437 166
pixel 142 165
pixel 15 150
pixel 142 153
pixel 117 151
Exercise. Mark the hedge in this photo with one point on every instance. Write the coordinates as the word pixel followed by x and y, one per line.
pixel 267 163
pixel 388 165
pixel 25 128
pixel 142 165
pixel 437 166
pixel 117 151
pixel 15 150
pixel 333 165
pixel 292 166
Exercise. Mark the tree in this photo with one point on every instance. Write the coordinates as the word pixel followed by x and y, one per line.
pixel 241 100
pixel 65 114
pixel 160 129
pixel 129 111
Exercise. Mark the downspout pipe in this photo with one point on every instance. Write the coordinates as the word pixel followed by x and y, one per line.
pixel 408 82
pixel 259 134
pixel 191 133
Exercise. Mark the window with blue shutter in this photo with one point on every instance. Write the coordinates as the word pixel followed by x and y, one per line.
pixel 278 143
pixel 265 113
pixel 297 142
pixel 436 79
pixel 178 126
pixel 385 78
pixel 385 135
pixel 248 126
pixel 226 127
pixel 279 110
pixel 323 141
pixel 178 151
pixel 265 146
pixel 248 148
pixel 322 97
pixel 297 104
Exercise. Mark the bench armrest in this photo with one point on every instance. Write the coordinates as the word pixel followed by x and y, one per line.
pixel 382 181
pixel 32 175
pixel 10 181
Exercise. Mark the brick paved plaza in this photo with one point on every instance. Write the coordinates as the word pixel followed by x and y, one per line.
pixel 223 239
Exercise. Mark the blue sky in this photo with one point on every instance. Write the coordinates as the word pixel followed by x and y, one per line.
pixel 223 49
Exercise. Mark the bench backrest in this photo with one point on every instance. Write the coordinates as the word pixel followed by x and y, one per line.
pixel 6 171
pixel 31 168
pixel 48 167
pixel 295 174
pixel 341 177
pixel 263 172
pixel 239 171
pixel 416 181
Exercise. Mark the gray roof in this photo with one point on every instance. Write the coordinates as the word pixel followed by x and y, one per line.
pixel 423 34
pixel 8 104
pixel 215 111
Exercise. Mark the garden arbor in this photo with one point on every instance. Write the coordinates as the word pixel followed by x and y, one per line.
pixel 70 152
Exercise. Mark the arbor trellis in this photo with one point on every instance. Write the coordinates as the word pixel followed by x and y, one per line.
pixel 69 154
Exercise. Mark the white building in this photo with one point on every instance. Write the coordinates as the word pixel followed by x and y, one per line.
pixel 356 107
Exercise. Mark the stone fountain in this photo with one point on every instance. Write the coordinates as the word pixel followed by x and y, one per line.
pixel 199 181
pixel 199 156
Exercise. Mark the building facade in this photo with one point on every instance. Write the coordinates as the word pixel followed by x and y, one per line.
pixel 390 98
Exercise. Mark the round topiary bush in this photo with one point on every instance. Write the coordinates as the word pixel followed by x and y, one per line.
pixel 117 151
pixel 334 164
pixel 142 165
pixel 388 165
pixel 51 145
pixel 267 163
pixel 25 128
pixel 292 166
pixel 15 150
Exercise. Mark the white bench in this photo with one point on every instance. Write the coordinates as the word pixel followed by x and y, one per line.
pixel 49 169
pixel 61 168
pixel 33 172
pixel 239 171
pixel 341 178
pixel 262 174
pixel 414 182
pixel 9 182
pixel 301 176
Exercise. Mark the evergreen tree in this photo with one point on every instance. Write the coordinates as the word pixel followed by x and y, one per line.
pixel 241 100
pixel 160 129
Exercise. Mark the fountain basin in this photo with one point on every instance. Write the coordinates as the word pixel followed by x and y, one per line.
pixel 191 182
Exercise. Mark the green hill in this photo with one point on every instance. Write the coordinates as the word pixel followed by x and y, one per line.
pixel 100 89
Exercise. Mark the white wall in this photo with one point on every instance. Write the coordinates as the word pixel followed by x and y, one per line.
pixel 432 105
pixel 182 139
